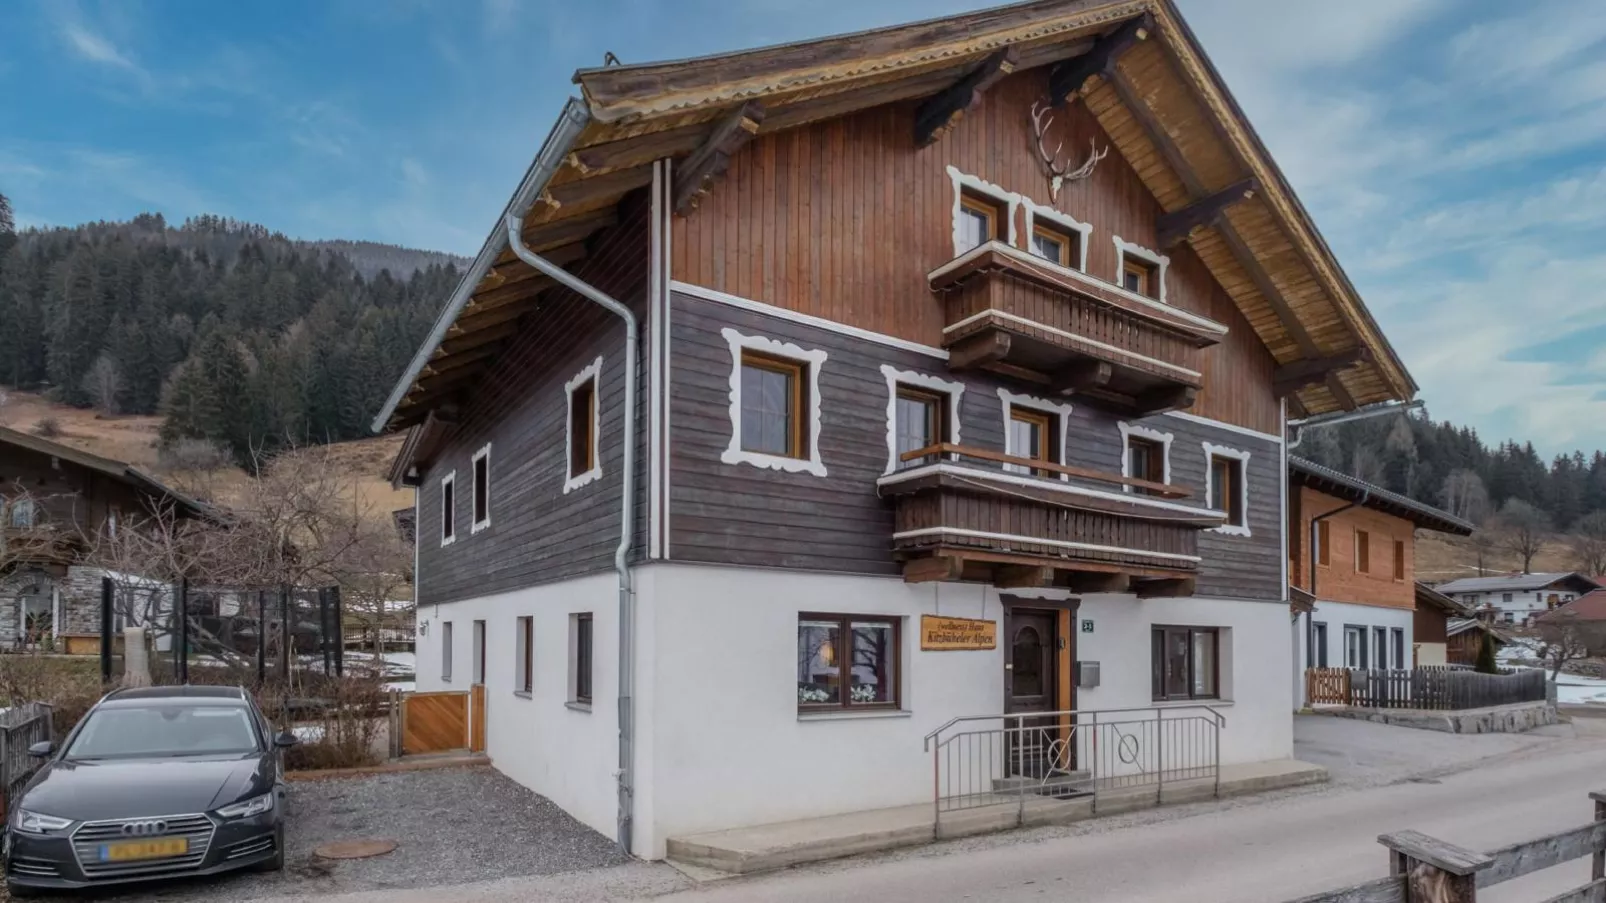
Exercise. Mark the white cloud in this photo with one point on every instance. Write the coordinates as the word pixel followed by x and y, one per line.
pixel 94 47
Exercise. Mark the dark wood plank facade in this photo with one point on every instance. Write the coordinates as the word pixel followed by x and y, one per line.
pixel 843 219
pixel 538 533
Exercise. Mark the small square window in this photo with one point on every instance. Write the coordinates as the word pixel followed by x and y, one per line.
pixel 449 508
pixel 581 660
pixel 1226 488
pixel 482 490
pixel 1184 663
pixel 1138 277
pixel 847 661
pixel 979 221
pixel 922 421
pixel 524 639
pixel 1054 245
pixel 772 406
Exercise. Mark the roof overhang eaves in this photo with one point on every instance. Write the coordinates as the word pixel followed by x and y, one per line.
pixel 1351 489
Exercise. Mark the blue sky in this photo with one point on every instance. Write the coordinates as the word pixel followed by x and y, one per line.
pixel 1452 151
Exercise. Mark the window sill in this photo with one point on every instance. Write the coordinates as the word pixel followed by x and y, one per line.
pixel 524 694
pixel 870 715
pixel 578 706
pixel 1191 703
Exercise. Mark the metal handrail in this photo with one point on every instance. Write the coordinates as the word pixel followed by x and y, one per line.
pixel 1220 719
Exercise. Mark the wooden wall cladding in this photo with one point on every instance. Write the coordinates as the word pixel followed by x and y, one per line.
pixel 843 219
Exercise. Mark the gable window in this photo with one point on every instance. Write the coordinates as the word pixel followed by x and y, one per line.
pixel 1055 245
pixel 1183 663
pixel 1140 270
pixel 449 508
pixel 1056 237
pixel 1399 559
pixel 482 489
pixel 23 514
pixel 982 212
pixel 921 411
pixel 1148 456
pixel 1363 552
pixel 1226 488
pixel 1033 429
pixel 524 659
pixel 775 405
pixel 446 651
pixel 584 425
pixel 580 658
pixel 847 661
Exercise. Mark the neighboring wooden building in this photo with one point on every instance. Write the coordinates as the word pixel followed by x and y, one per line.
pixel 1464 638
pixel 1516 599
pixel 1364 572
pixel 55 501
pixel 1434 613
pixel 896 361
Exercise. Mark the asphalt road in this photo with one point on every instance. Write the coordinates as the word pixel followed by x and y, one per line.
pixel 1258 850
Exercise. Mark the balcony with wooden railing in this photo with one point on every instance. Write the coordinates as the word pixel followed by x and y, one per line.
pixel 45 544
pixel 963 513
pixel 1019 315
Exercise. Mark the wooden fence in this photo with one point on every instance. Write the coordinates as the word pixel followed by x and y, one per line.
pixel 1421 688
pixel 448 721
pixel 1425 870
pixel 21 727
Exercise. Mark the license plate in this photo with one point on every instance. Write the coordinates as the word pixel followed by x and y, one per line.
pixel 144 849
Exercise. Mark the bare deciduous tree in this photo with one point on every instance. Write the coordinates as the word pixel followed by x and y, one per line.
pixel 1588 543
pixel 1567 638
pixel 1464 495
pixel 1523 529
pixel 104 383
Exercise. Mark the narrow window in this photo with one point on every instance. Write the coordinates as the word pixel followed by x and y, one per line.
pixel 1054 245
pixel 446 651
pixel 1183 663
pixel 921 423
pixel 524 676
pixel 1363 552
pixel 1397 634
pixel 1354 647
pixel 1145 460
pixel 582 658
pixel 979 220
pixel 1324 543
pixel 482 490
pixel 1380 646
pixel 1226 488
pixel 478 652
pixel 582 443
pixel 772 406
pixel 22 514
pixel 1031 435
pixel 1318 651
pixel 449 508
pixel 847 661
pixel 1399 559
pixel 1138 277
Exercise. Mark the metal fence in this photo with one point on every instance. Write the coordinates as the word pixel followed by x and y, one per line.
pixel 1422 688
pixel 21 726
pixel 1020 759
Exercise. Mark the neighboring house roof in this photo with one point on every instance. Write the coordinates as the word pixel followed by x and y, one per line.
pixel 603 148
pixel 117 470
pixel 1591 606
pixel 1516 583
pixel 1340 485
pixel 1428 597
pixel 1457 626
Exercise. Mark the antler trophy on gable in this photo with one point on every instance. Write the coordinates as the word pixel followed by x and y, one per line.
pixel 1060 174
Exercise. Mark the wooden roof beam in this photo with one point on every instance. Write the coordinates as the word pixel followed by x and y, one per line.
pixel 445 363
pixel 1290 378
pixel 1068 77
pixel 707 163
pixel 556 233
pixel 580 193
pixel 1175 227
pixel 638 150
pixel 941 112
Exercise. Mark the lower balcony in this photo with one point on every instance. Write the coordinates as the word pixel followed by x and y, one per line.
pixel 959 516
pixel 43 545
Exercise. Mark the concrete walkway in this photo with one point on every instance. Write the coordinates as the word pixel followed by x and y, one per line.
pixel 775 846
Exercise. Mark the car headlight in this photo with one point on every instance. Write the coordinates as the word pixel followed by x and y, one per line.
pixel 38 823
pixel 256 805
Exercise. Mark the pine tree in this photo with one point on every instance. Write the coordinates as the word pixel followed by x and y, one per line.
pixel 1486 659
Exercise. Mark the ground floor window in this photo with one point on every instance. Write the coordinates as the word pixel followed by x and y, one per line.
pixel 524 676
pixel 581 660
pixel 847 661
pixel 1380 646
pixel 1318 645
pixel 1397 637
pixel 446 651
pixel 1354 647
pixel 1184 663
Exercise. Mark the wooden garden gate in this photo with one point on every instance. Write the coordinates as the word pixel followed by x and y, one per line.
pixel 443 721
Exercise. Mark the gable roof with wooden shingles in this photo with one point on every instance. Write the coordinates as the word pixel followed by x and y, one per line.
pixel 1136 65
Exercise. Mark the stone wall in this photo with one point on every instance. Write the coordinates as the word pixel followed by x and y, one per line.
pixel 1503 719
pixel 80 601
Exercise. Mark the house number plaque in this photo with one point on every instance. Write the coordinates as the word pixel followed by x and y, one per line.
pixel 948 634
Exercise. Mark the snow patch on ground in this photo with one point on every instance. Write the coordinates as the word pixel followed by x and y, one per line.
pixel 1574 689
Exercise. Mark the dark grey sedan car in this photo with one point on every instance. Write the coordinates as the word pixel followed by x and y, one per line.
pixel 153 783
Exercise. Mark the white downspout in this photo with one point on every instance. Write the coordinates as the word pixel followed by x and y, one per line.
pixel 621 564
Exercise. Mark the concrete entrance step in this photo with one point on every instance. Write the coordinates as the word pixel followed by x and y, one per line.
pixel 767 847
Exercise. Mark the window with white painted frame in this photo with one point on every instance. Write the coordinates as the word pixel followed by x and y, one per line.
pixel 922 411
pixel 583 425
pixel 1140 270
pixel 774 404
pixel 482 489
pixel 1056 237
pixel 1033 428
pixel 1227 486
pixel 982 212
pixel 1146 455
pixel 449 509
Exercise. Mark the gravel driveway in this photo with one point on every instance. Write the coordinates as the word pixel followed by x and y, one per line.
pixel 454 825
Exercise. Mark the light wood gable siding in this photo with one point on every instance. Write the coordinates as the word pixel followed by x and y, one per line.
pixel 745 515
pixel 1338 580
pixel 537 532
pixel 843 219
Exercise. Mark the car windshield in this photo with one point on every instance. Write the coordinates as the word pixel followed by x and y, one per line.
pixel 164 731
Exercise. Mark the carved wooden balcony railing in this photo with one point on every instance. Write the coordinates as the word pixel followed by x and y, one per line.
pixel 959 516
pixel 43 545
pixel 1016 314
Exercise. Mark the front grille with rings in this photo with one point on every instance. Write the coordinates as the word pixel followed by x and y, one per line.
pixel 88 840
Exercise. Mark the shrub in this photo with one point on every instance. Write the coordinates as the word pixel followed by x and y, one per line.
pixel 47 428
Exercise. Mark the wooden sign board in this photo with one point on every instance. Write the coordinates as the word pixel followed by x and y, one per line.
pixel 948 634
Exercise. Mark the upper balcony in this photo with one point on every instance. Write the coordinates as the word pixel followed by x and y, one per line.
pixel 959 516
pixel 1019 315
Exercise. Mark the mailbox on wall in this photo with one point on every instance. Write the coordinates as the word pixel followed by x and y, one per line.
pixel 1087 675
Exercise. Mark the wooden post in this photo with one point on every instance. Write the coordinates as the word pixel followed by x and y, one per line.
pixel 1435 871
pixel 1598 866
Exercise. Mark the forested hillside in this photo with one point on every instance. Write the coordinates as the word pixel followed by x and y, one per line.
pixel 233 333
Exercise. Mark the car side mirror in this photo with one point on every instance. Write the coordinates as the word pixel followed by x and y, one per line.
pixel 285 739
pixel 41 749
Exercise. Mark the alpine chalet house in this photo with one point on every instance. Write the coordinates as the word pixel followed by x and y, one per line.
pixel 1517 598
pixel 1352 547
pixel 831 391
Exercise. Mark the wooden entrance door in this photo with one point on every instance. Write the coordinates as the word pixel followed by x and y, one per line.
pixel 1032 685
